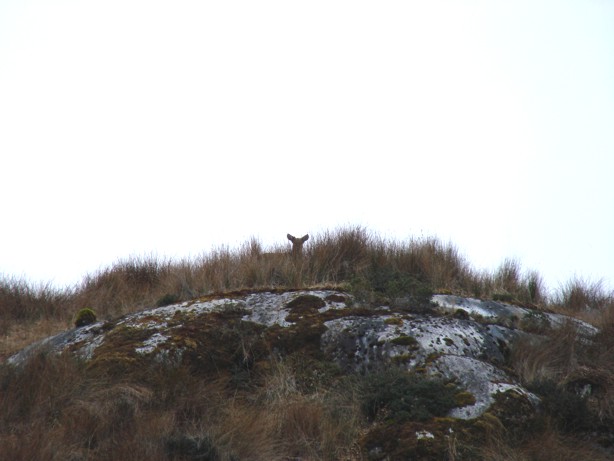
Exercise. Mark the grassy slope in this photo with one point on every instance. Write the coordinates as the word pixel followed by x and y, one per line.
pixel 121 417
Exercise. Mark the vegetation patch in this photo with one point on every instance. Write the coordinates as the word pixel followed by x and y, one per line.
pixel 220 343
pixel 397 395
pixel 168 299
pixel 311 374
pixel 303 336
pixel 85 317
pixel 386 284
pixel 405 341
pixel 238 389
pixel 394 321
pixel 335 298
pixel 461 314
pixel 436 439
pixel 535 322
pixel 182 446
pixel 402 359
pixel 117 353
pixel 464 399
pixel 304 305
pixel 568 410
pixel 503 297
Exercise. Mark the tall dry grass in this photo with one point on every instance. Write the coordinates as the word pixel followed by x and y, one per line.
pixel 338 257
pixel 574 376
pixel 548 358
pixel 549 445
pixel 56 408
pixel 585 299
pixel 29 312
pixel 21 301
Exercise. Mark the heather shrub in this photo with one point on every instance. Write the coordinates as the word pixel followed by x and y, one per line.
pixel 397 395
pixel 567 409
pixel 168 299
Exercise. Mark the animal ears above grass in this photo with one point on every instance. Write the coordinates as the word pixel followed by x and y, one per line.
pixel 303 239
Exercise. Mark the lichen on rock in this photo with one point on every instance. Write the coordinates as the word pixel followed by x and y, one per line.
pixel 468 350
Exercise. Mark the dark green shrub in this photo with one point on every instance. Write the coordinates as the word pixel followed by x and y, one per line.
pixel 167 299
pixel 182 446
pixel 385 281
pixel 503 297
pixel 405 340
pixel 306 303
pixel 84 317
pixel 398 395
pixel 390 281
pixel 567 409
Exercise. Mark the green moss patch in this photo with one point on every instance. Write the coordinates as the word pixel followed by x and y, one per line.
pixel 394 321
pixel 464 398
pixel 412 440
pixel 405 341
pixel 84 317
pixel 304 305
pixel 117 353
pixel 219 343
pixel 335 298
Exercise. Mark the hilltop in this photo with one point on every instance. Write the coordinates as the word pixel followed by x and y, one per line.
pixel 358 349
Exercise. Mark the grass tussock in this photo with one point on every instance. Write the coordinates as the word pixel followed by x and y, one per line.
pixel 56 408
pixel 550 445
pixel 547 358
pixel 21 301
pixel 583 297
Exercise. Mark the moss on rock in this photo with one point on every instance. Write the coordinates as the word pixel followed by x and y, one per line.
pixel 85 316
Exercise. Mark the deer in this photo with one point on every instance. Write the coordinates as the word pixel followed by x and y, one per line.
pixel 278 266
pixel 296 251
pixel 297 244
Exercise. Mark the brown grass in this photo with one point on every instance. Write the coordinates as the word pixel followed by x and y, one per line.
pixel 57 408
pixel 551 357
pixel 565 358
pixel 579 294
pixel 337 257
pixel 19 335
pixel 22 302
pixel 548 445
pixel 574 376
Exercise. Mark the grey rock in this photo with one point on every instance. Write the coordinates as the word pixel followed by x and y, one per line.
pixel 469 349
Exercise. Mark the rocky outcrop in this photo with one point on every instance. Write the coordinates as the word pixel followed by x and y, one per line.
pixel 459 339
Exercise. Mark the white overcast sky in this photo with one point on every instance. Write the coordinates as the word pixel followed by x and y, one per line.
pixel 155 127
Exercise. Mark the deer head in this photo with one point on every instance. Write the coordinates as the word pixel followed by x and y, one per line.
pixel 297 244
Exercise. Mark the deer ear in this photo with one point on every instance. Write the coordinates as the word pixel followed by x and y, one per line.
pixel 291 238
pixel 305 237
